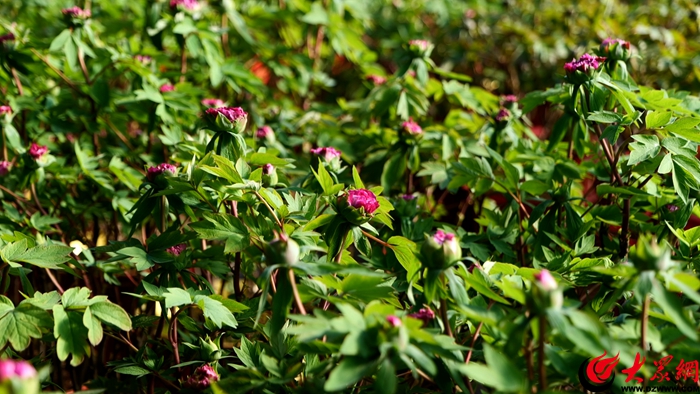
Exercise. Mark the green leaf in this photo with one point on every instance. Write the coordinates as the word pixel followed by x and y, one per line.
pixel 672 308
pixel 216 311
pixel 19 325
pixel 43 256
pixel 387 381
pixel 133 370
pixel 317 15
pixel 71 336
pixel 605 117
pixel 499 373
pixel 60 41
pixel 324 178
pixel 404 251
pixel 356 178
pixel 394 169
pixel 223 226
pixel 232 305
pixel 646 147
pixel 94 326
pixel 176 297
pixel 348 372
pixel 657 119
pixel 112 314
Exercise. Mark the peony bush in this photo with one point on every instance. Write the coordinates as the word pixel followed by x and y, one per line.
pixel 268 197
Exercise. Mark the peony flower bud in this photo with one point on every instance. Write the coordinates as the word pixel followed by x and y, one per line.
pixel 176 250
pixel 186 4
pixel 441 250
pixel 37 151
pixel 503 115
pixel 328 154
pixel 76 13
pixel 579 71
pixel 231 119
pixel 213 102
pixel 672 208
pixel 210 350
pixel 408 197
pixel 282 250
pixel 167 88
pixel 265 133
pixel 424 314
pixel 143 59
pixel 7 42
pixel 411 127
pixel 393 320
pixel 5 110
pixel 4 168
pixel 615 49
pixel 18 377
pixel 422 48
pixel 7 38
pixel 509 99
pixel 377 80
pixel 202 378
pixel 358 205
pixel 164 168
pixel 545 279
pixel 269 176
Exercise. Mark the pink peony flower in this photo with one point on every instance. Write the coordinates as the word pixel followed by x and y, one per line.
pixel 363 198
pixel 36 151
pixel 145 59
pixel 420 44
pixel 376 79
pixel 177 249
pixel 441 237
pixel 167 88
pixel 7 37
pixel 268 169
pixel 188 4
pixel 165 168
pixel 585 64
pixel 16 369
pixel 233 114
pixel 213 102
pixel 327 153
pixel 202 378
pixel 502 115
pixel 509 99
pixel 546 280
pixel 263 132
pixel 393 320
pixel 424 314
pixel 76 12
pixel 411 127
pixel 5 109
pixel 4 168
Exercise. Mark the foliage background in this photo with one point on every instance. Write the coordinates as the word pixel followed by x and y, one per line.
pixel 301 67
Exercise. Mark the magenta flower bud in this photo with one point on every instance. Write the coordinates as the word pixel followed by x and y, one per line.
pixel 144 59
pixel 268 169
pixel 167 88
pixel 201 378
pixel 164 168
pixel 264 132
pixel 393 320
pixel 176 250
pixel 672 208
pixel 24 370
pixel 269 175
pixel 509 99
pixel 424 314
pixel 408 197
pixel 327 153
pixel 441 250
pixel 545 279
pixel 7 369
pixel 421 45
pixel 37 151
pixel 76 12
pixel 376 79
pixel 503 115
pixel 615 49
pixel 4 168
pixel 358 205
pixel 579 71
pixel 5 110
pixel 232 119
pixel 7 37
pixel 411 127
pixel 213 102
pixel 187 4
